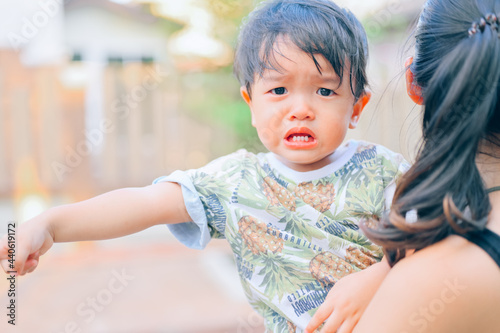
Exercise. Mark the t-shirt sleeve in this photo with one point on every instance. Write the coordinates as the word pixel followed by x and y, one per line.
pixel 207 194
pixel 194 234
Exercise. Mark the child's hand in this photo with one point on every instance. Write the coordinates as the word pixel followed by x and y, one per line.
pixel 347 300
pixel 32 239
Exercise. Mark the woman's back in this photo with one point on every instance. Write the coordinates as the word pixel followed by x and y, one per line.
pixel 452 286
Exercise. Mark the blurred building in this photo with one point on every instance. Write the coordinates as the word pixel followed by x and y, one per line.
pixel 89 101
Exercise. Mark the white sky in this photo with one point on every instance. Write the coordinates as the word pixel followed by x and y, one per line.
pixel 362 8
pixel 181 7
pixel 195 39
pixel 200 23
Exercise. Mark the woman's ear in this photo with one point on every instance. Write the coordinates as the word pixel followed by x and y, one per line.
pixel 358 108
pixel 414 90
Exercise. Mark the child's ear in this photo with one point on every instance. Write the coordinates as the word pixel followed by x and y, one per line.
pixel 358 108
pixel 246 97
pixel 414 91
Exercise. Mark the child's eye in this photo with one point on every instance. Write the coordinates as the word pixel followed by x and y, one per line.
pixel 279 91
pixel 325 92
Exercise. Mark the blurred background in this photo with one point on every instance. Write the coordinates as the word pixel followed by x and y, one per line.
pixel 97 95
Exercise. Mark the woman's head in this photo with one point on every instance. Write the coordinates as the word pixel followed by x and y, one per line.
pixel 456 68
pixel 457 60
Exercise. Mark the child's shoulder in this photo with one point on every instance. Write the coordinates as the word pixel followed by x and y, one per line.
pixel 238 159
pixel 377 148
pixel 379 152
pixel 242 155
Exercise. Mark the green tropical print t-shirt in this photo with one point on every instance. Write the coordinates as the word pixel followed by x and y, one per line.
pixel 293 234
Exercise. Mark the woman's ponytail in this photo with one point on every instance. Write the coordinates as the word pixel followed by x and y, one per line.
pixel 459 72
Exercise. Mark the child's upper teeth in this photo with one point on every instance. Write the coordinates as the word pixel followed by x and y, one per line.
pixel 301 138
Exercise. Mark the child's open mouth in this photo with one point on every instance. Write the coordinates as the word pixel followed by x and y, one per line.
pixel 300 138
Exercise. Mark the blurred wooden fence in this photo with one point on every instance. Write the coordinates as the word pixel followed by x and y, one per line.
pixel 47 145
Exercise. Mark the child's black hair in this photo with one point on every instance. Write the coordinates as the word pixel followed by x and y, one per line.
pixel 315 26
pixel 457 64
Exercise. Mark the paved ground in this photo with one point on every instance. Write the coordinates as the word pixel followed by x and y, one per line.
pixel 145 283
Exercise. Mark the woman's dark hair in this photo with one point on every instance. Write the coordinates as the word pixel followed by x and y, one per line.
pixel 459 74
pixel 315 26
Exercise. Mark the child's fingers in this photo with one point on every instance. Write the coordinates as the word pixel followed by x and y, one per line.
pixel 8 252
pixel 4 254
pixel 5 265
pixel 347 326
pixel 11 257
pixel 333 323
pixel 21 257
pixel 29 266
pixel 4 249
pixel 34 265
pixel 35 255
pixel 322 314
pixel 31 263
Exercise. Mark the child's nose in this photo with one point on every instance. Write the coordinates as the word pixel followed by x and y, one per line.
pixel 301 110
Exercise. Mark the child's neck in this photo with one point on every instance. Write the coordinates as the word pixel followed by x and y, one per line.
pixel 307 167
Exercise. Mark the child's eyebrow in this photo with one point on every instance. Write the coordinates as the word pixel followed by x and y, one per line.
pixel 323 78
pixel 271 78
pixel 329 78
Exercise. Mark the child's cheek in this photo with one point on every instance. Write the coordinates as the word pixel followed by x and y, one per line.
pixel 265 135
pixel 275 121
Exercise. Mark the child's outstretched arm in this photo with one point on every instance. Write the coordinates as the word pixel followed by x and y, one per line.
pixel 348 299
pixel 113 214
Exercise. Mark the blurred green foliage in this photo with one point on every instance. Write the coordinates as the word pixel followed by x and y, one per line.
pixel 379 30
pixel 214 96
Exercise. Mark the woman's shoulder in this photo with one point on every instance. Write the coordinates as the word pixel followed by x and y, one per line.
pixel 452 285
pixel 453 256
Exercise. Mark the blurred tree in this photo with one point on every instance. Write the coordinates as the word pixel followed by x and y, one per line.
pixel 213 96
